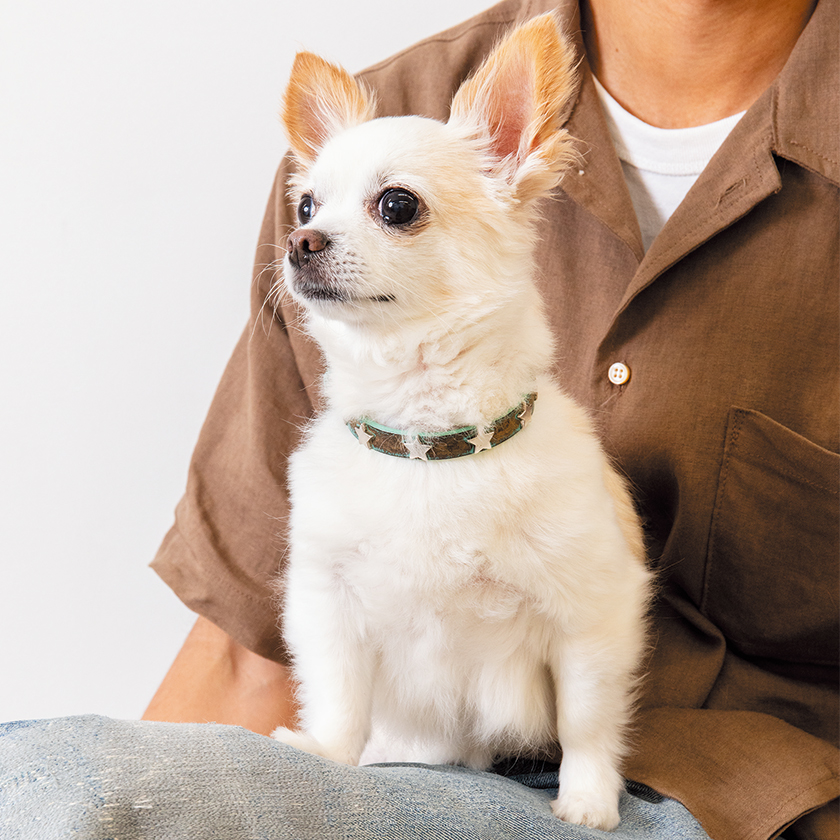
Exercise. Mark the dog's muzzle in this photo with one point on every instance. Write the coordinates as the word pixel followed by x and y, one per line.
pixel 312 278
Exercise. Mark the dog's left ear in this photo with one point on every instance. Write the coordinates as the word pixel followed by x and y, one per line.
pixel 321 99
pixel 514 100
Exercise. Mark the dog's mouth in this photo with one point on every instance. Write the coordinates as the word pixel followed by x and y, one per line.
pixel 316 289
pixel 324 294
pixel 313 284
pixel 320 292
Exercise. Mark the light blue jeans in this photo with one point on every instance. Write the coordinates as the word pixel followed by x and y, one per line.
pixel 92 778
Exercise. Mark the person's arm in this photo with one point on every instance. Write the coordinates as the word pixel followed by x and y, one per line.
pixel 215 679
pixel 822 824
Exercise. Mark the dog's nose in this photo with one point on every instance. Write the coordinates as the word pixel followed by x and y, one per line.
pixel 302 244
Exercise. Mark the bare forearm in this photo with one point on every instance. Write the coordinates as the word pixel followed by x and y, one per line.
pixel 215 679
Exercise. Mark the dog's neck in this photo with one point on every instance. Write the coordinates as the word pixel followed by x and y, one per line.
pixel 436 375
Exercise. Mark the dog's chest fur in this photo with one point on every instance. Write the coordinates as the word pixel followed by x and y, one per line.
pixel 426 564
pixel 452 571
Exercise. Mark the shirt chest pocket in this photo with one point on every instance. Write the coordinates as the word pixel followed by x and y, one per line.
pixel 772 568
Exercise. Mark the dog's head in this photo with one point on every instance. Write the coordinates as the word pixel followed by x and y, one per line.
pixel 407 218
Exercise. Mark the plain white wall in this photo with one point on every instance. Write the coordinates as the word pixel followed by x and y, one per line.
pixel 138 143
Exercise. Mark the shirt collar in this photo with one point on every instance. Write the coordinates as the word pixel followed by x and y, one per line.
pixel 795 118
pixel 805 116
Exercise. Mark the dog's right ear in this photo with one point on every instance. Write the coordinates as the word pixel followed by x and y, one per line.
pixel 321 99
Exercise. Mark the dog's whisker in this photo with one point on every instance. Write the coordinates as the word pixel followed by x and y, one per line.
pixel 275 267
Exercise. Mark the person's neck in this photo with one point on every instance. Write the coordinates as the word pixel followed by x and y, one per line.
pixel 681 63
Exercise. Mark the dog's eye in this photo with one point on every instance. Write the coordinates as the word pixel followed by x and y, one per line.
pixel 304 210
pixel 398 207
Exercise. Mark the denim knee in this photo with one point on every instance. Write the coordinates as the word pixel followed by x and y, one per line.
pixel 54 776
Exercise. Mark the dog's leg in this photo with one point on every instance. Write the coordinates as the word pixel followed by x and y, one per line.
pixel 594 691
pixel 335 699
pixel 334 669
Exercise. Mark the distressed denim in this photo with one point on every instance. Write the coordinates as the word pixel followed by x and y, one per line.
pixel 92 778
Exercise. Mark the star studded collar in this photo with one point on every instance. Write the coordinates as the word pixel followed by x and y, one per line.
pixel 441 446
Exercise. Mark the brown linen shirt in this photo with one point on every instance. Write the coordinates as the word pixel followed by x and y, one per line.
pixel 728 426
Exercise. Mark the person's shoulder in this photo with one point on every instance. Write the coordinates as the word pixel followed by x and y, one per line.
pixel 423 78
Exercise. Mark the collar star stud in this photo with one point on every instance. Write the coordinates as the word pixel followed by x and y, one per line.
pixel 416 449
pixel 526 413
pixel 482 440
pixel 363 436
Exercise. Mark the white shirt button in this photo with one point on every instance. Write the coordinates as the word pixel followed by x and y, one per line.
pixel 619 373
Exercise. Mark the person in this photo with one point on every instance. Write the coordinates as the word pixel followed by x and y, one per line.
pixel 689 267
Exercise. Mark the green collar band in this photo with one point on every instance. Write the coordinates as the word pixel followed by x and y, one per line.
pixel 441 446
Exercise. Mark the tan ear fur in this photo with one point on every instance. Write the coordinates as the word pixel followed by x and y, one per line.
pixel 516 97
pixel 320 100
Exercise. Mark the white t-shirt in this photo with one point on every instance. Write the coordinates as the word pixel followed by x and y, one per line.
pixel 660 164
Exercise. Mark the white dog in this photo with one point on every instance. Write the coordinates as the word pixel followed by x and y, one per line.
pixel 466 569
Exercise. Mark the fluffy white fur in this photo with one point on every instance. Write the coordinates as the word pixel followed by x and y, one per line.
pixel 492 604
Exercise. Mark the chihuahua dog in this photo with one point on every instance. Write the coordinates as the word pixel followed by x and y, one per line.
pixel 466 570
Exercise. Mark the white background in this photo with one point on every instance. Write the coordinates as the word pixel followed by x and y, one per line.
pixel 138 142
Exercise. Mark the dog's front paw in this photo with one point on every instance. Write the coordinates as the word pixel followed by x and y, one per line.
pixel 299 740
pixel 583 808
pixel 305 742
